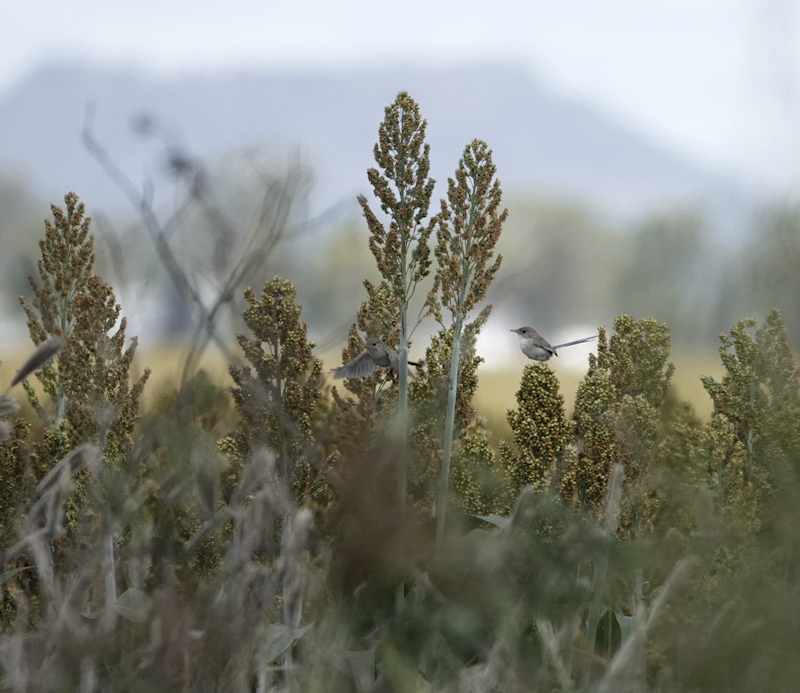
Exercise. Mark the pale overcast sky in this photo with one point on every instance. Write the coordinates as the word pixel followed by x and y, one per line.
pixel 712 79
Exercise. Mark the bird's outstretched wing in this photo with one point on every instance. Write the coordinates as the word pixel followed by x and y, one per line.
pixel 577 341
pixel 361 366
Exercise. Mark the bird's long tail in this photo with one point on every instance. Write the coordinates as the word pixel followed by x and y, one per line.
pixel 577 341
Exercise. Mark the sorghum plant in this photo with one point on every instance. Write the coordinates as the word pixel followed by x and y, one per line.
pixel 542 434
pixel 747 454
pixel 467 230
pixel 277 394
pixel 89 379
pixel 617 410
pixel 760 391
pixel 617 415
pixel 404 191
pixel 84 368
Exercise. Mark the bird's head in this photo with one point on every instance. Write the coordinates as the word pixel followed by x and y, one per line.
pixel 524 331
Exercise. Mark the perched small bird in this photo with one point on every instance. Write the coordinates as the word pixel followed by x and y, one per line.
pixel 376 354
pixel 536 347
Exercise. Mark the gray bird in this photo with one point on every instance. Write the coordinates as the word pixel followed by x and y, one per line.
pixel 376 354
pixel 536 347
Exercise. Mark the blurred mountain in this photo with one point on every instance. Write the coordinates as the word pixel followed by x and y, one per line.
pixel 543 143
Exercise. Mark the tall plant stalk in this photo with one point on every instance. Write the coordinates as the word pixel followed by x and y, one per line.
pixel 467 230
pixel 401 252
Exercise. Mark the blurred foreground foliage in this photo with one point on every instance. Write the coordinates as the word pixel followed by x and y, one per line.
pixel 251 538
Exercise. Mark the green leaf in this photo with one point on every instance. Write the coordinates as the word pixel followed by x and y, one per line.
pixel 497 520
pixel 11 573
pixel 278 638
pixel 133 604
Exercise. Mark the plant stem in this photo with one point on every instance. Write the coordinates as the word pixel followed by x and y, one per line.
pixel 402 407
pixel 448 435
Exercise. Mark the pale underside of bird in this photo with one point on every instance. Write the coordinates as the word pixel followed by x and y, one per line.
pixel 376 355
pixel 536 347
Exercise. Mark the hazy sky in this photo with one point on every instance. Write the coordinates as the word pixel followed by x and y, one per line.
pixel 714 79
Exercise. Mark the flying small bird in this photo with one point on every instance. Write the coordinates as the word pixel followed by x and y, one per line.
pixel 376 354
pixel 43 353
pixel 536 347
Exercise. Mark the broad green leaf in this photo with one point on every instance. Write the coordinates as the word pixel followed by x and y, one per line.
pixel 133 604
pixel 11 573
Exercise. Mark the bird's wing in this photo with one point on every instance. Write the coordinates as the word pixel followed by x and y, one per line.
pixel 541 343
pixel 362 365
pixel 547 347
pixel 577 341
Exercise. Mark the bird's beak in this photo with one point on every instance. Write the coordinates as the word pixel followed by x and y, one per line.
pixel 517 331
